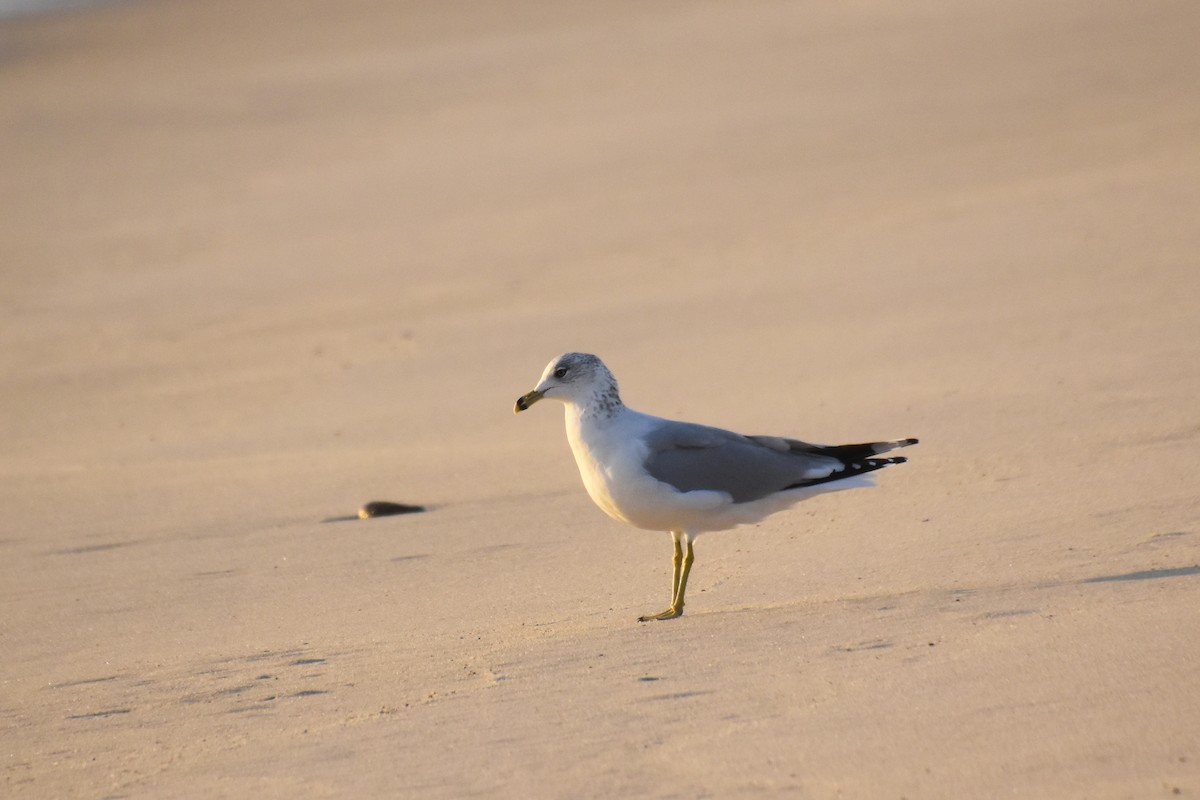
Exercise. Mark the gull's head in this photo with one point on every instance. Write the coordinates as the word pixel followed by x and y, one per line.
pixel 573 378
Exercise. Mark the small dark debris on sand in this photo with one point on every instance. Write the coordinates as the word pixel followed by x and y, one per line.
pixel 378 508
pixel 383 508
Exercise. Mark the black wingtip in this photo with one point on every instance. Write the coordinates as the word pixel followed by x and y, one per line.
pixel 850 469
pixel 907 442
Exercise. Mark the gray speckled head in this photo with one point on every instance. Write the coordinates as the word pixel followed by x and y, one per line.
pixel 580 379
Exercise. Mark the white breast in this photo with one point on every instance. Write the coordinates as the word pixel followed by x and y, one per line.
pixel 610 454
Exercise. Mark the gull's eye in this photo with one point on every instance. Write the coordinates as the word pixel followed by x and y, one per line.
pixel 561 372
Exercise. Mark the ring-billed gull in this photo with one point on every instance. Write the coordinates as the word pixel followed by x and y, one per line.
pixel 687 479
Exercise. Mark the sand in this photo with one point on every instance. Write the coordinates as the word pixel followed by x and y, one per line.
pixel 260 265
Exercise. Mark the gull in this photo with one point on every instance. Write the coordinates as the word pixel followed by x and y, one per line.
pixel 687 479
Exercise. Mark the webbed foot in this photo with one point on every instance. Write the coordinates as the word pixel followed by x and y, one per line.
pixel 670 613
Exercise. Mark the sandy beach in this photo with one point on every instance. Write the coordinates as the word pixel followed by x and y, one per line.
pixel 260 265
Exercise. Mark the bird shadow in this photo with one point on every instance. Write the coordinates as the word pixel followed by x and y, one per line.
pixel 1146 575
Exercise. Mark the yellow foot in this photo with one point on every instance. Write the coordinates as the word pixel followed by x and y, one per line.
pixel 670 613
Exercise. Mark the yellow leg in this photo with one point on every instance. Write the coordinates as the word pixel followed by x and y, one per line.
pixel 681 565
pixel 687 567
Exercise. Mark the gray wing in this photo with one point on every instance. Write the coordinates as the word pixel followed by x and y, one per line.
pixel 696 457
